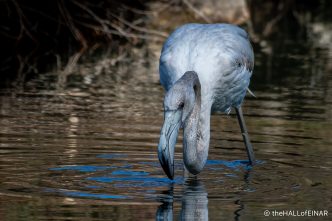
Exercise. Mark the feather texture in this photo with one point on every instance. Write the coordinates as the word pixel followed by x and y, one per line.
pixel 220 54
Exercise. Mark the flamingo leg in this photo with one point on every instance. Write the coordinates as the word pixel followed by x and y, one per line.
pixel 245 135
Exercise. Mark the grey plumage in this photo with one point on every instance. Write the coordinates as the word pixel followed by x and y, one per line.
pixel 217 60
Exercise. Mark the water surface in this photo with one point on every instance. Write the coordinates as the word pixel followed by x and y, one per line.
pixel 87 150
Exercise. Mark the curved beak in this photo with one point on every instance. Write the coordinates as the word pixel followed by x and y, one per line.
pixel 168 136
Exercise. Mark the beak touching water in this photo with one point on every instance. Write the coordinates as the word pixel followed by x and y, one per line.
pixel 168 136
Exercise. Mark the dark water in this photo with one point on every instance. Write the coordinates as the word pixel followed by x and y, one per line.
pixel 87 150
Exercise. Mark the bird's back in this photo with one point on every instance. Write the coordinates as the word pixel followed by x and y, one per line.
pixel 220 54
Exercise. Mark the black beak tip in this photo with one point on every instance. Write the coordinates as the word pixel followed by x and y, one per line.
pixel 169 173
pixel 167 166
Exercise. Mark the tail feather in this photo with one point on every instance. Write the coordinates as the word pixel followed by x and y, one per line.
pixel 251 93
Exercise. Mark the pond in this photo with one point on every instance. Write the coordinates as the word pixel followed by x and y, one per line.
pixel 88 150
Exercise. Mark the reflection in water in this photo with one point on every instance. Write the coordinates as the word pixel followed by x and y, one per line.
pixel 194 202
pixel 237 212
pixel 72 137
pixel 194 198
pixel 165 210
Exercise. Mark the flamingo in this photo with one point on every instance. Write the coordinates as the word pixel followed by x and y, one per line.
pixel 204 68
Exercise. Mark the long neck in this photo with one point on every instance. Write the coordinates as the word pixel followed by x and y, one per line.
pixel 196 136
